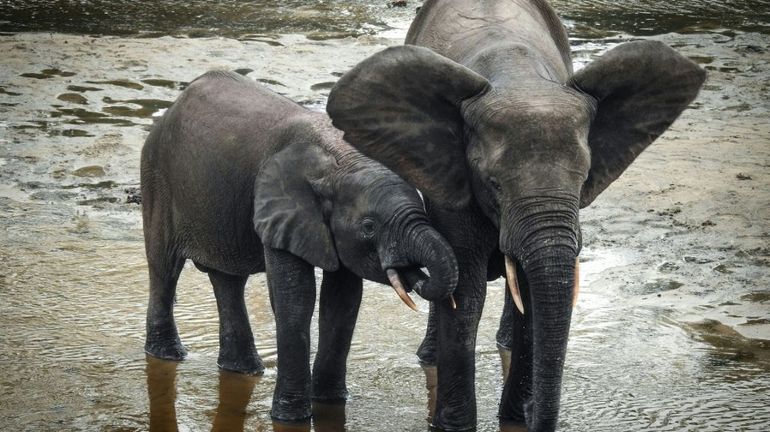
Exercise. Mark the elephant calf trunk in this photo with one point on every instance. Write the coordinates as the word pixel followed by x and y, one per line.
pixel 430 250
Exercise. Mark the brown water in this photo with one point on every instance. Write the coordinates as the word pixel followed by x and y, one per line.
pixel 672 328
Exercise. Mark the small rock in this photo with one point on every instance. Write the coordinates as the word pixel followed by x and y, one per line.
pixel 243 71
pixel 133 195
pixel 73 98
pixel 697 260
pixel 743 176
pixel 708 223
pixel 89 171
pixel 668 267
pixel 397 3
pixel 721 268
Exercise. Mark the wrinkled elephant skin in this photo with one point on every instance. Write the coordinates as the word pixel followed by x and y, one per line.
pixel 482 112
pixel 241 180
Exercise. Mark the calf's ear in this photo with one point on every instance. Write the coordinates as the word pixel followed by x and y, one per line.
pixel 402 107
pixel 640 88
pixel 288 213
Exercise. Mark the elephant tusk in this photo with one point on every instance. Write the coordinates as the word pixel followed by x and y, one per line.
pixel 395 281
pixel 452 301
pixel 576 286
pixel 513 283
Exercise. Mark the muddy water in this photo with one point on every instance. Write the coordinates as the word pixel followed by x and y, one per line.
pixel 671 331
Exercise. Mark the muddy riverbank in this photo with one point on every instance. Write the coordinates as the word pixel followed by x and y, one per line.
pixel 672 330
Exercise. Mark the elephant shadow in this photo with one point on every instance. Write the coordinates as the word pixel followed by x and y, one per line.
pixel 234 395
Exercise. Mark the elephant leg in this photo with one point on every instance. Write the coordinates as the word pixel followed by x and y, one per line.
pixel 514 338
pixel 292 283
pixel 426 354
pixel 338 310
pixel 162 335
pixel 505 335
pixel 456 361
pixel 237 352
pixel 473 240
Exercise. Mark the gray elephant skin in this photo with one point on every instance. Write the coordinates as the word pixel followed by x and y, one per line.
pixel 241 180
pixel 481 110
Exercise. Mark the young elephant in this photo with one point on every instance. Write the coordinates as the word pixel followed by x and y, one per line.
pixel 241 180
pixel 482 112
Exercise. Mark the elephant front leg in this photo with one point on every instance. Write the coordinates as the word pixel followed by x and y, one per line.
pixel 237 352
pixel 340 300
pixel 292 286
pixel 456 361
pixel 473 240
pixel 514 340
pixel 427 353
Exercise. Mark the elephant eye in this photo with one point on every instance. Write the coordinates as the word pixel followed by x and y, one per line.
pixel 368 226
pixel 495 184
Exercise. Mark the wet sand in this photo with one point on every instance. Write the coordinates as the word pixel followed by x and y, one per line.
pixel 672 330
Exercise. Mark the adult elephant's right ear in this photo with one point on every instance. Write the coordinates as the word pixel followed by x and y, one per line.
pixel 401 107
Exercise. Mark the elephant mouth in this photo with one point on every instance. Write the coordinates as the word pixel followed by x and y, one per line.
pixel 407 279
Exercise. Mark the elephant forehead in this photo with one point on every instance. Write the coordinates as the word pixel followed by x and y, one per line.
pixel 544 123
pixel 374 187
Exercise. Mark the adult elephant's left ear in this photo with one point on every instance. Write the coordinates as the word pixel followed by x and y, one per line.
pixel 402 107
pixel 641 88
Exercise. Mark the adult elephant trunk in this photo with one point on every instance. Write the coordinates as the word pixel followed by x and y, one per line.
pixel 544 240
pixel 422 247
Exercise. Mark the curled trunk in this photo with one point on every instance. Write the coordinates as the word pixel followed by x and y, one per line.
pixel 432 251
pixel 415 247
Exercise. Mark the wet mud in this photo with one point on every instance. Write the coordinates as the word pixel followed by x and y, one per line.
pixel 672 330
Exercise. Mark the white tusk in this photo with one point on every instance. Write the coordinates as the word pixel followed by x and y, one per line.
pixel 395 281
pixel 452 301
pixel 576 286
pixel 513 283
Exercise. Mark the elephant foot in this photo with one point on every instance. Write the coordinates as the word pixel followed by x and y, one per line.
pixel 166 350
pixel 441 422
pixel 248 364
pixel 291 409
pixel 329 388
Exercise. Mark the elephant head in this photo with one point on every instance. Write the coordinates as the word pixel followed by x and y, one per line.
pixel 323 201
pixel 528 149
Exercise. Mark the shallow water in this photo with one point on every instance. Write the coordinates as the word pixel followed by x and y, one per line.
pixel 671 329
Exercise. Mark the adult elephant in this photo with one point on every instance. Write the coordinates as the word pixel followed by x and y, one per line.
pixel 482 112
pixel 241 180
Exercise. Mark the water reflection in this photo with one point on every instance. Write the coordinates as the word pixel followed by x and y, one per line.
pixel 161 388
pixel 235 392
